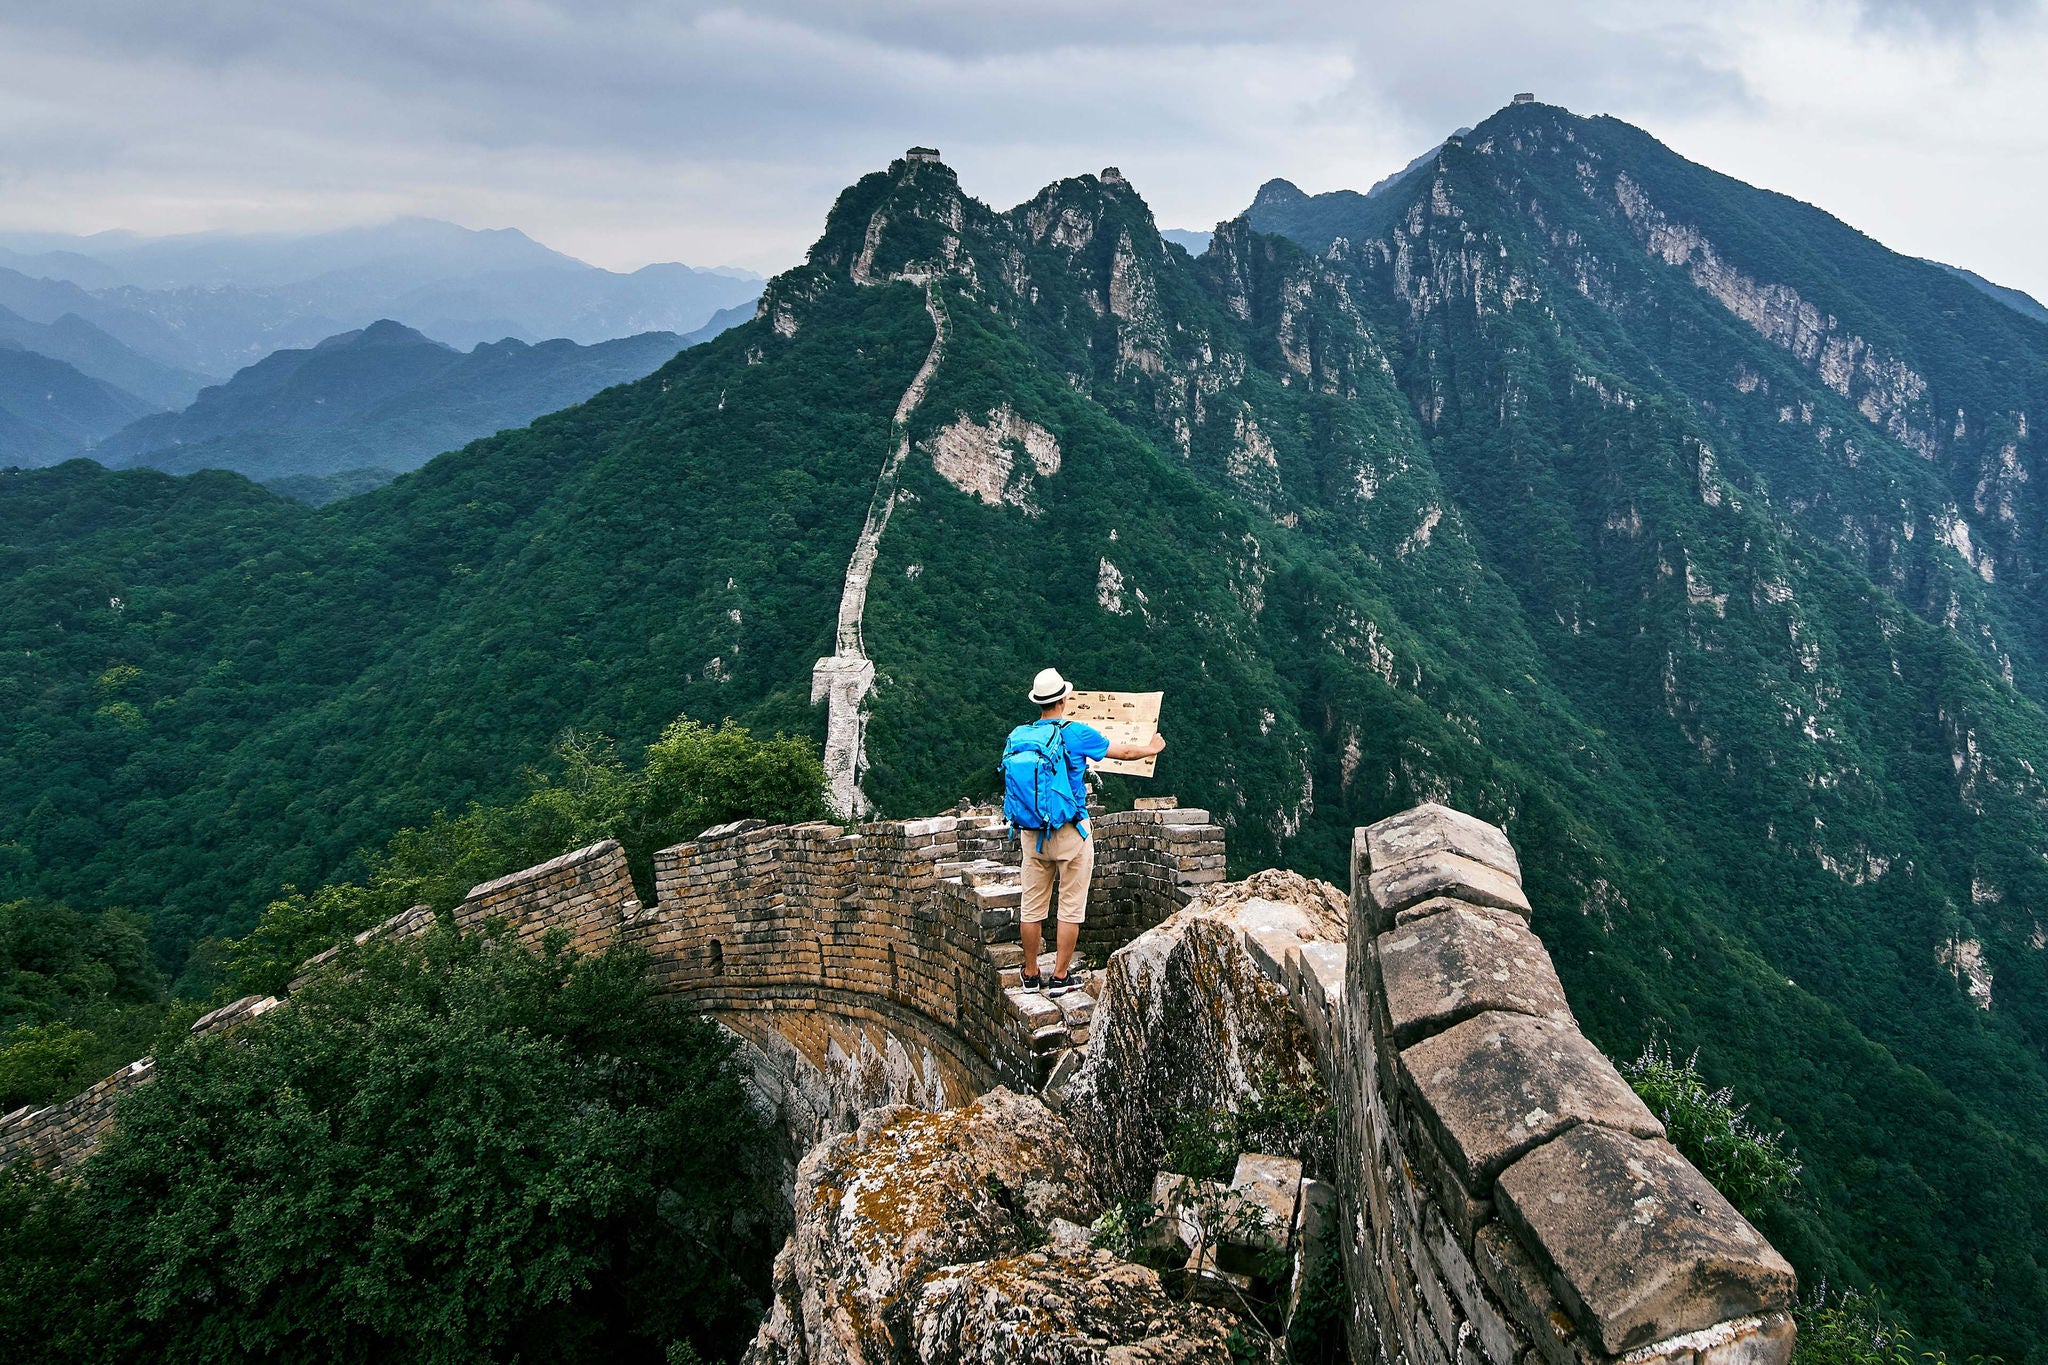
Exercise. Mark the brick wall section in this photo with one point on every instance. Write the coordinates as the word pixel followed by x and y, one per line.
pixel 62 1135
pixel 784 929
pixel 65 1134
pixel 1507 1197
pixel 1147 864
pixel 765 921
pixel 588 892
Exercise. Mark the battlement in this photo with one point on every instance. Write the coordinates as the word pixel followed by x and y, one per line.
pixel 1508 1187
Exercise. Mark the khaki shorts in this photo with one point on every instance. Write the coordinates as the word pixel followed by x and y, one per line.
pixel 1070 857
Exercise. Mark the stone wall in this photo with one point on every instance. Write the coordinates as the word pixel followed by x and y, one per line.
pixel 61 1135
pixel 1507 1197
pixel 859 967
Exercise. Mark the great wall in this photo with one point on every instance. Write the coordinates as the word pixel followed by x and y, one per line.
pixel 1498 1192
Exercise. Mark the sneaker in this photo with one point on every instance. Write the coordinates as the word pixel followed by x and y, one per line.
pixel 1032 983
pixel 1060 985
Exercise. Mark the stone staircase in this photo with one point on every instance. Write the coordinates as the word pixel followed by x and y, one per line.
pixel 990 882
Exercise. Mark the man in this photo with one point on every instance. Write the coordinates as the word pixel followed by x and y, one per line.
pixel 1053 820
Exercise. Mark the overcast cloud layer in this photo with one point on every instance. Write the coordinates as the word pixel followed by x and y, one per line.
pixel 626 132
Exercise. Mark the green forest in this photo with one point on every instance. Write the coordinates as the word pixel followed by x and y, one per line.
pixel 1477 496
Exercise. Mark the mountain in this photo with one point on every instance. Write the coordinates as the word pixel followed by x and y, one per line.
pixel 1683 531
pixel 46 301
pixel 216 302
pixel 50 411
pixel 78 343
pixel 1187 239
pixel 383 398
pixel 2016 299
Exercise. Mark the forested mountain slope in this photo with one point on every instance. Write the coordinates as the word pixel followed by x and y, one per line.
pixel 385 397
pixel 1497 501
pixel 49 410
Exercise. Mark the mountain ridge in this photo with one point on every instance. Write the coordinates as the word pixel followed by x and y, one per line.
pixel 383 397
pixel 214 303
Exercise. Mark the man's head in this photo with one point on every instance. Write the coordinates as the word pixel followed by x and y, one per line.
pixel 1050 692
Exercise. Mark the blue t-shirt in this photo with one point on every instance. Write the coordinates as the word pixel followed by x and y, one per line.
pixel 1083 742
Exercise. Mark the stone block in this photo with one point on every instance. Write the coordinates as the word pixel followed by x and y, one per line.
pixel 1049 1039
pixel 1496 1085
pixel 1431 828
pixel 1064 1066
pixel 1322 974
pixel 1272 1185
pixel 1037 1011
pixel 1075 1007
pixel 1518 1283
pixel 1394 889
pixel 1451 966
pixel 1763 1340
pixel 1637 1241
pixel 1155 803
pixel 1005 955
pixel 1270 949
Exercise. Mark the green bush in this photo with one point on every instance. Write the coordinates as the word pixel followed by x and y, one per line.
pixel 694 776
pixel 1750 1167
pixel 455 1149
pixel 1851 1328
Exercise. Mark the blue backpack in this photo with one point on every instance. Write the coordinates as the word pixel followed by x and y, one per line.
pixel 1038 788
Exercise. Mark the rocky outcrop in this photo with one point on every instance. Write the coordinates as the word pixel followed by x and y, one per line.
pixel 948 1238
pixel 1194 1017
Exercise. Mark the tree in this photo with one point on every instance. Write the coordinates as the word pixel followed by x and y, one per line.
pixel 450 1149
pixel 693 777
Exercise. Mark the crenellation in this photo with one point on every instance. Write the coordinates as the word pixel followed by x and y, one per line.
pixel 1500 1178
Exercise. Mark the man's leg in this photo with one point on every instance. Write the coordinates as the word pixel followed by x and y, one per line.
pixel 1038 873
pixel 1077 869
pixel 1069 935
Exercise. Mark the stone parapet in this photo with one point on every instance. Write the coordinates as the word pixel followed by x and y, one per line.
pixel 587 893
pixel 1509 1198
pixel 872 965
pixel 62 1135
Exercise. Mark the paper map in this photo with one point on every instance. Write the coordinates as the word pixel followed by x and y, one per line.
pixel 1125 717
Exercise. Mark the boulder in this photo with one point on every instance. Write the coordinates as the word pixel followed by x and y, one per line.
pixel 880 1209
pixel 1189 1019
pixel 956 1237
pixel 1064 1306
pixel 1642 1247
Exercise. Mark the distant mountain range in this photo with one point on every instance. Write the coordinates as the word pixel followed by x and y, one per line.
pixel 213 303
pixel 49 410
pixel 374 403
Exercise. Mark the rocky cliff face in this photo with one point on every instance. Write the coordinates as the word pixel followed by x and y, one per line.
pixel 958 1237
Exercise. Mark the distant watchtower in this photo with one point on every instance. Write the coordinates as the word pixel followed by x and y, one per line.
pixel 1525 97
pixel 922 154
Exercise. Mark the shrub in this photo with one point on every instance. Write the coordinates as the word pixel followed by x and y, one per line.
pixel 1850 1328
pixel 1747 1165
pixel 451 1149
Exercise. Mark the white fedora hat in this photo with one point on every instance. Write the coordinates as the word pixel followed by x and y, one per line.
pixel 1048 687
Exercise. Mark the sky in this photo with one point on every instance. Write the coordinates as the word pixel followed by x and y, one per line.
pixel 624 131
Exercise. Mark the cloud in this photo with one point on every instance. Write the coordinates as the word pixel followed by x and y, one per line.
pixel 631 130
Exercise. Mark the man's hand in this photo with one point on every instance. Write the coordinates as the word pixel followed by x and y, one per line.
pixel 1118 749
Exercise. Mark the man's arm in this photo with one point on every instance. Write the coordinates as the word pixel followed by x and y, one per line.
pixel 1117 749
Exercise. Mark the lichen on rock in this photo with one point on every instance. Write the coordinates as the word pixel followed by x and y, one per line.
pixel 923 1237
